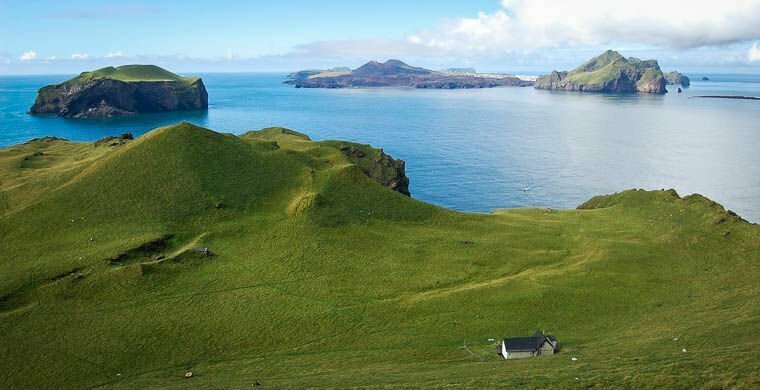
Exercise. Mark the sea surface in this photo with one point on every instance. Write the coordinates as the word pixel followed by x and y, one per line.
pixel 480 150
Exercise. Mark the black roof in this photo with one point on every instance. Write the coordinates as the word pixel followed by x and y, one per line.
pixel 541 334
pixel 524 343
pixel 531 343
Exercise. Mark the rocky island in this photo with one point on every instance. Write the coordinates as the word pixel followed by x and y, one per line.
pixel 608 72
pixel 126 90
pixel 676 78
pixel 395 73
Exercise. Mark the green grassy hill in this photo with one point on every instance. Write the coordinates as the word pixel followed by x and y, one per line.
pixel 129 73
pixel 321 277
pixel 608 72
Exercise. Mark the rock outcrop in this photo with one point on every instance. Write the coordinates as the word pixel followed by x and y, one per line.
pixel 608 72
pixel 376 164
pixel 676 78
pixel 394 73
pixel 126 90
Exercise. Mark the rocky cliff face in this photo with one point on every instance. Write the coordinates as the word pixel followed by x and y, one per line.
pixel 676 78
pixel 88 97
pixel 608 72
pixel 377 165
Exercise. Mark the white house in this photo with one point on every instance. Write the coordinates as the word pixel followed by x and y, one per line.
pixel 524 347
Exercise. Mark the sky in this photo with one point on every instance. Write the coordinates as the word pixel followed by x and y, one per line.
pixel 517 36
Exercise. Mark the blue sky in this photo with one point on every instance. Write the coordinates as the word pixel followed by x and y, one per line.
pixel 509 35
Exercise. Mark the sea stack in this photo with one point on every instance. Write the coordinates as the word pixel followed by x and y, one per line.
pixel 676 78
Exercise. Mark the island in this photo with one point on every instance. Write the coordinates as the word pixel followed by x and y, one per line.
pixel 395 73
pixel 608 72
pixel 676 78
pixel 124 90
pixel 306 73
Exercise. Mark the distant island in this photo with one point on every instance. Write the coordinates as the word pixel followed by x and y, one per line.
pixel 608 72
pixel 306 73
pixel 728 97
pixel 395 73
pixel 676 78
pixel 460 70
pixel 126 90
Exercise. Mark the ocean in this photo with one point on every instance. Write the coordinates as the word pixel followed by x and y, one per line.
pixel 485 149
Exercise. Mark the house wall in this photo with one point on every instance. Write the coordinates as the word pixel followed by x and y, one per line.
pixel 519 355
pixel 546 349
pixel 514 355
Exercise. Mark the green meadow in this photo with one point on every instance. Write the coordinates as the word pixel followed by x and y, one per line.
pixel 131 73
pixel 321 277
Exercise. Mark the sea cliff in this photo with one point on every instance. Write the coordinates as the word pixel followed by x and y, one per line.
pixel 126 90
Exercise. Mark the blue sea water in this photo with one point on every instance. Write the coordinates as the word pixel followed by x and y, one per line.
pixel 480 150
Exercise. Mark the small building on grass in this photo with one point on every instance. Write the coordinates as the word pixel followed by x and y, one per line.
pixel 204 251
pixel 525 347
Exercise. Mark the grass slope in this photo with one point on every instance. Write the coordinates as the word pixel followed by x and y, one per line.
pixel 610 66
pixel 321 277
pixel 133 73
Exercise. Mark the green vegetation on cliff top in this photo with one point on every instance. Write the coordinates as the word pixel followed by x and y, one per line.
pixel 134 73
pixel 322 278
pixel 609 66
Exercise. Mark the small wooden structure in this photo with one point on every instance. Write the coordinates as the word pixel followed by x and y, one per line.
pixel 524 347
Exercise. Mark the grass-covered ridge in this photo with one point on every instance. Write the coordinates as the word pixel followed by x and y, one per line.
pixel 134 73
pixel 322 278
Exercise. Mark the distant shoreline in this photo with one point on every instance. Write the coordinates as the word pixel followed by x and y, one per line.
pixel 727 97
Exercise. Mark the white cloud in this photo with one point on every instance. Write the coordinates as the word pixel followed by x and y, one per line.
pixel 753 54
pixel 28 56
pixel 77 56
pixel 524 25
pixel 115 54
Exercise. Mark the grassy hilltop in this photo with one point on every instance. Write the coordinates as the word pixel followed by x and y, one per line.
pixel 321 277
pixel 133 73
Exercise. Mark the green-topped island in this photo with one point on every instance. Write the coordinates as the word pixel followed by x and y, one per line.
pixel 126 90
